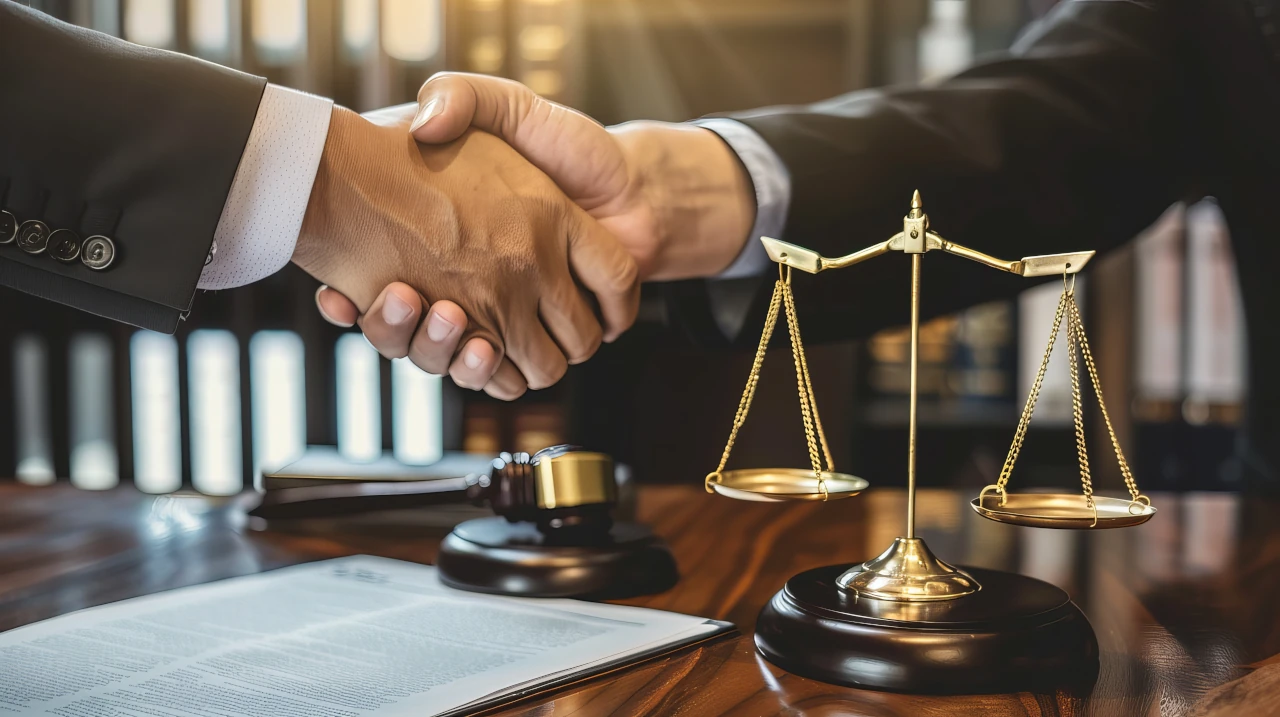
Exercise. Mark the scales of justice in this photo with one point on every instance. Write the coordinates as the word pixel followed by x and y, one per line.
pixel 907 621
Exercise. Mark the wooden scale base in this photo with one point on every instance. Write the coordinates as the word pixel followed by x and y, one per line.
pixel 1015 634
pixel 494 555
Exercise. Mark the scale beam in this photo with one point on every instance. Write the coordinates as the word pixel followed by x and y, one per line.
pixel 808 260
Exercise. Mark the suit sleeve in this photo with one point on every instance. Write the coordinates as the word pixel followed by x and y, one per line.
pixel 1075 139
pixel 103 137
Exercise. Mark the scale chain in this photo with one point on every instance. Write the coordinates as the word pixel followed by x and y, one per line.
pixel 813 401
pixel 1020 435
pixel 1129 481
pixel 808 404
pixel 1068 307
pixel 782 299
pixel 1077 410
pixel 749 392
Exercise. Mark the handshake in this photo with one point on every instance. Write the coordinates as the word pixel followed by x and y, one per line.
pixel 498 237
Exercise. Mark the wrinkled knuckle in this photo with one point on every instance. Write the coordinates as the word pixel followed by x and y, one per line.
pixel 625 278
pixel 426 359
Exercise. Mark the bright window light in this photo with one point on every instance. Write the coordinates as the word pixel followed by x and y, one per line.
pixel 416 414
pixel 359 25
pixel 149 22
pixel 157 441
pixel 1216 358
pixel 946 44
pixel 486 54
pixel 278 400
pixel 213 388
pixel 209 24
pixel 411 29
pixel 94 464
pixel 31 409
pixel 542 43
pixel 100 15
pixel 359 399
pixel 279 29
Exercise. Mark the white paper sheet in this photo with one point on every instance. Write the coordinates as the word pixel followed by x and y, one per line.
pixel 339 638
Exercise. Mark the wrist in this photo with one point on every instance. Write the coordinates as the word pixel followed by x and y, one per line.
pixel 699 192
pixel 339 211
pixel 312 250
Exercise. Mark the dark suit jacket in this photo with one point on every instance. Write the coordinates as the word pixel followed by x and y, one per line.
pixel 1081 135
pixel 103 137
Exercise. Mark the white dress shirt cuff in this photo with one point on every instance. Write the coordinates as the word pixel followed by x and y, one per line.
pixel 773 193
pixel 263 213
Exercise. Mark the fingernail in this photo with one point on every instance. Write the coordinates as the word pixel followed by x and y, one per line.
pixel 472 360
pixel 429 110
pixel 395 310
pixel 324 315
pixel 438 328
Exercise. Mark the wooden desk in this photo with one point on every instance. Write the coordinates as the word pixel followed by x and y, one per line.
pixel 1180 606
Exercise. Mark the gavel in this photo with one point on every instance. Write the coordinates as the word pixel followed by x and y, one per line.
pixel 564 490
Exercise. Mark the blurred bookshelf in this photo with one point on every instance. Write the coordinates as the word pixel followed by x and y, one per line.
pixel 1167 329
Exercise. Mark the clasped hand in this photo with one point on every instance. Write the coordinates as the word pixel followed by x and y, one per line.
pixel 486 241
pixel 473 222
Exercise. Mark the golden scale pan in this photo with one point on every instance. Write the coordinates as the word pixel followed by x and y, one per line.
pixel 821 482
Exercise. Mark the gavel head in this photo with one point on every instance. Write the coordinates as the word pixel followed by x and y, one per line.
pixel 565 490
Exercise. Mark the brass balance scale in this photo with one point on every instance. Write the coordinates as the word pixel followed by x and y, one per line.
pixel 906 620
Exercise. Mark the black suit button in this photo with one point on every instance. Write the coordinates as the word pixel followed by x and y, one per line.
pixel 33 236
pixel 8 227
pixel 98 252
pixel 64 245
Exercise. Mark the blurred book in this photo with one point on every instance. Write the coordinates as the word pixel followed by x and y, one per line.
pixel 889 375
pixel 983 366
pixel 1215 370
pixel 323 465
pixel 1215 357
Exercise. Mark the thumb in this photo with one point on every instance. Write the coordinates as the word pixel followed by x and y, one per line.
pixel 575 151
pixel 446 108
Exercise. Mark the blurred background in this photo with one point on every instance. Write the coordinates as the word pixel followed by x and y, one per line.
pixel 253 375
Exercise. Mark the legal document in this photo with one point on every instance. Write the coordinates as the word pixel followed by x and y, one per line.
pixel 339 638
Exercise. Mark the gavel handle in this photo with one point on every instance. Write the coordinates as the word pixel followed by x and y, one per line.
pixel 325 501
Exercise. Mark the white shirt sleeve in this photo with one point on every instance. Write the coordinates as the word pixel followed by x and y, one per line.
pixel 773 193
pixel 263 213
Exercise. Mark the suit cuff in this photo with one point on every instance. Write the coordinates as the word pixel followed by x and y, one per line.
pixel 772 184
pixel 263 212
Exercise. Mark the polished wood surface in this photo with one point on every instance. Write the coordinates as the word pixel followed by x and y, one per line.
pixel 1186 608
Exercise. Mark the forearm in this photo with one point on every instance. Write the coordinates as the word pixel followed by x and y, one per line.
pixel 1076 139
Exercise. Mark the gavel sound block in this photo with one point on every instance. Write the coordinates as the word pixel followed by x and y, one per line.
pixel 554 534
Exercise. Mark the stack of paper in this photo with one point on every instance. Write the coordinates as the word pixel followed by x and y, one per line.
pixel 339 638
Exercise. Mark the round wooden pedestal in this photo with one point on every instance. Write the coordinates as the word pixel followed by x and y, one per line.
pixel 1015 634
pixel 492 555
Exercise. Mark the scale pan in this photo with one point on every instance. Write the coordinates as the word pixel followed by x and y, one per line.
pixel 1062 510
pixel 774 485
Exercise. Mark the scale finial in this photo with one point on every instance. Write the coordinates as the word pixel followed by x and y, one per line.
pixel 915 201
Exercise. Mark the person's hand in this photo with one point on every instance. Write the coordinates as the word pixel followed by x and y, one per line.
pixel 674 195
pixel 474 223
